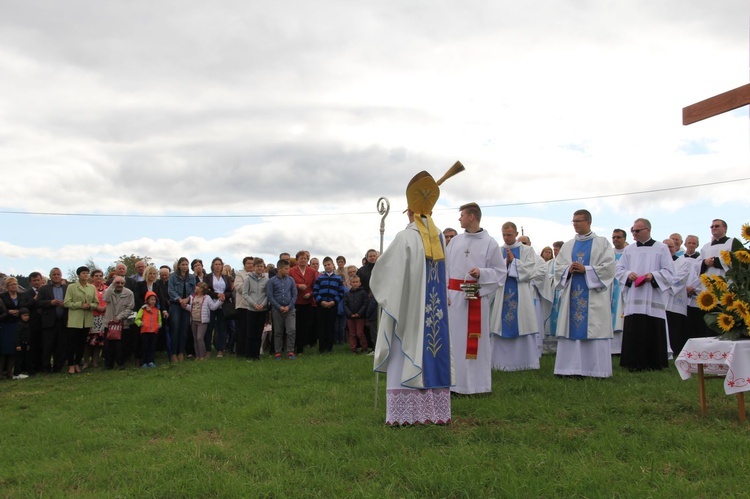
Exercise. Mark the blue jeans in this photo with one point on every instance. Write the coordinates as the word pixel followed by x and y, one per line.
pixel 340 333
pixel 179 324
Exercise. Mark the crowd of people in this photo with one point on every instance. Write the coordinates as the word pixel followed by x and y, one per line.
pixel 185 310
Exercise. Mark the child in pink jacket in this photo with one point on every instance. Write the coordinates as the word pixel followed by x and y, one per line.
pixel 200 307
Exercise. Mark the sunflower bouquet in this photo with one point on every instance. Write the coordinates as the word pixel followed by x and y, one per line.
pixel 726 300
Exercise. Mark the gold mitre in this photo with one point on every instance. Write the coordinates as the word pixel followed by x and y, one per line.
pixel 422 194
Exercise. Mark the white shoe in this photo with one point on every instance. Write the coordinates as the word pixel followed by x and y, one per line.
pixel 21 376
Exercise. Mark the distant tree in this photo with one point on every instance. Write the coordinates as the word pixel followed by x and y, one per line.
pixel 129 261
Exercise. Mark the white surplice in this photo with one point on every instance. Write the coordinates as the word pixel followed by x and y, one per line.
pixel 646 299
pixel 677 298
pixel 714 251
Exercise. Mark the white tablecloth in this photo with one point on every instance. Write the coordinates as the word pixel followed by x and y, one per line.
pixel 724 358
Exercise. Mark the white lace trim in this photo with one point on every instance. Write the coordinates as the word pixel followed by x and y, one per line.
pixel 404 406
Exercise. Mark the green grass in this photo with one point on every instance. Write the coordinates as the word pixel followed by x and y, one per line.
pixel 307 428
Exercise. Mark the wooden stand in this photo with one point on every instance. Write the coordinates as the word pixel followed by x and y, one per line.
pixel 702 392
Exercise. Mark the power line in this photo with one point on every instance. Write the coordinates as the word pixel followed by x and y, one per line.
pixel 604 196
pixel 288 215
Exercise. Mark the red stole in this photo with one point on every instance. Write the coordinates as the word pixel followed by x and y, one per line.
pixel 474 322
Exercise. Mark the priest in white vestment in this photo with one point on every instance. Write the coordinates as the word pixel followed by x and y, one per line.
pixel 619 239
pixel 710 255
pixel 696 327
pixel 584 272
pixel 711 264
pixel 547 292
pixel 677 299
pixel 553 295
pixel 472 257
pixel 409 283
pixel 645 272
pixel 514 324
pixel 542 301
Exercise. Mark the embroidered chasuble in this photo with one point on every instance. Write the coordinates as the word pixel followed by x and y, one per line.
pixel 513 312
pixel 413 346
pixel 585 305
pixel 579 301
pixel 510 301
pixel 514 322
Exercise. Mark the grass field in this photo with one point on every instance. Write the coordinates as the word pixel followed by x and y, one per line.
pixel 308 428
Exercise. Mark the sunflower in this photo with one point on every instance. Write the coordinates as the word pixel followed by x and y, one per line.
pixel 727 299
pixel 706 280
pixel 741 307
pixel 720 283
pixel 746 232
pixel 743 256
pixel 726 257
pixel 725 322
pixel 707 301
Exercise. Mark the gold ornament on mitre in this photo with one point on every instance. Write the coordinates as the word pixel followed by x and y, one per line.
pixel 422 194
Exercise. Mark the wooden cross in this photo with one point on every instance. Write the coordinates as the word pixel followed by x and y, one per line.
pixel 717 104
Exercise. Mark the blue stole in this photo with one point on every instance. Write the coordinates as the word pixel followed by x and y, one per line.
pixel 510 300
pixel 579 293
pixel 436 353
pixel 615 295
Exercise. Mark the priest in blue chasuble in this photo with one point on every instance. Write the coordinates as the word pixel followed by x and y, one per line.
pixel 584 272
pixel 514 323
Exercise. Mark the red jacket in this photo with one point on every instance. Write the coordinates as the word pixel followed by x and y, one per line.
pixel 308 279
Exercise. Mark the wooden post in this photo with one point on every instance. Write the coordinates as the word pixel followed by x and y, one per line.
pixel 702 389
pixel 741 406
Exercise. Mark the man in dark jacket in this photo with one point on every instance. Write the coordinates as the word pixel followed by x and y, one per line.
pixel 54 321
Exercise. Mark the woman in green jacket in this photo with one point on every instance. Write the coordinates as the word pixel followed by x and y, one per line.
pixel 81 301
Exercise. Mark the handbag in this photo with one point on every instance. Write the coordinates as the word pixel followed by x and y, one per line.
pixel 228 308
pixel 114 330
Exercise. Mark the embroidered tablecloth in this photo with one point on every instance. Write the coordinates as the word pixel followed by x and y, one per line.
pixel 724 358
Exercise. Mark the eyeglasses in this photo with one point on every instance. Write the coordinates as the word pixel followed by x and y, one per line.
pixel 636 231
pixel 715 226
pixel 577 221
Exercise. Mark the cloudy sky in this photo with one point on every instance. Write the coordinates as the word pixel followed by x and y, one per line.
pixel 238 128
